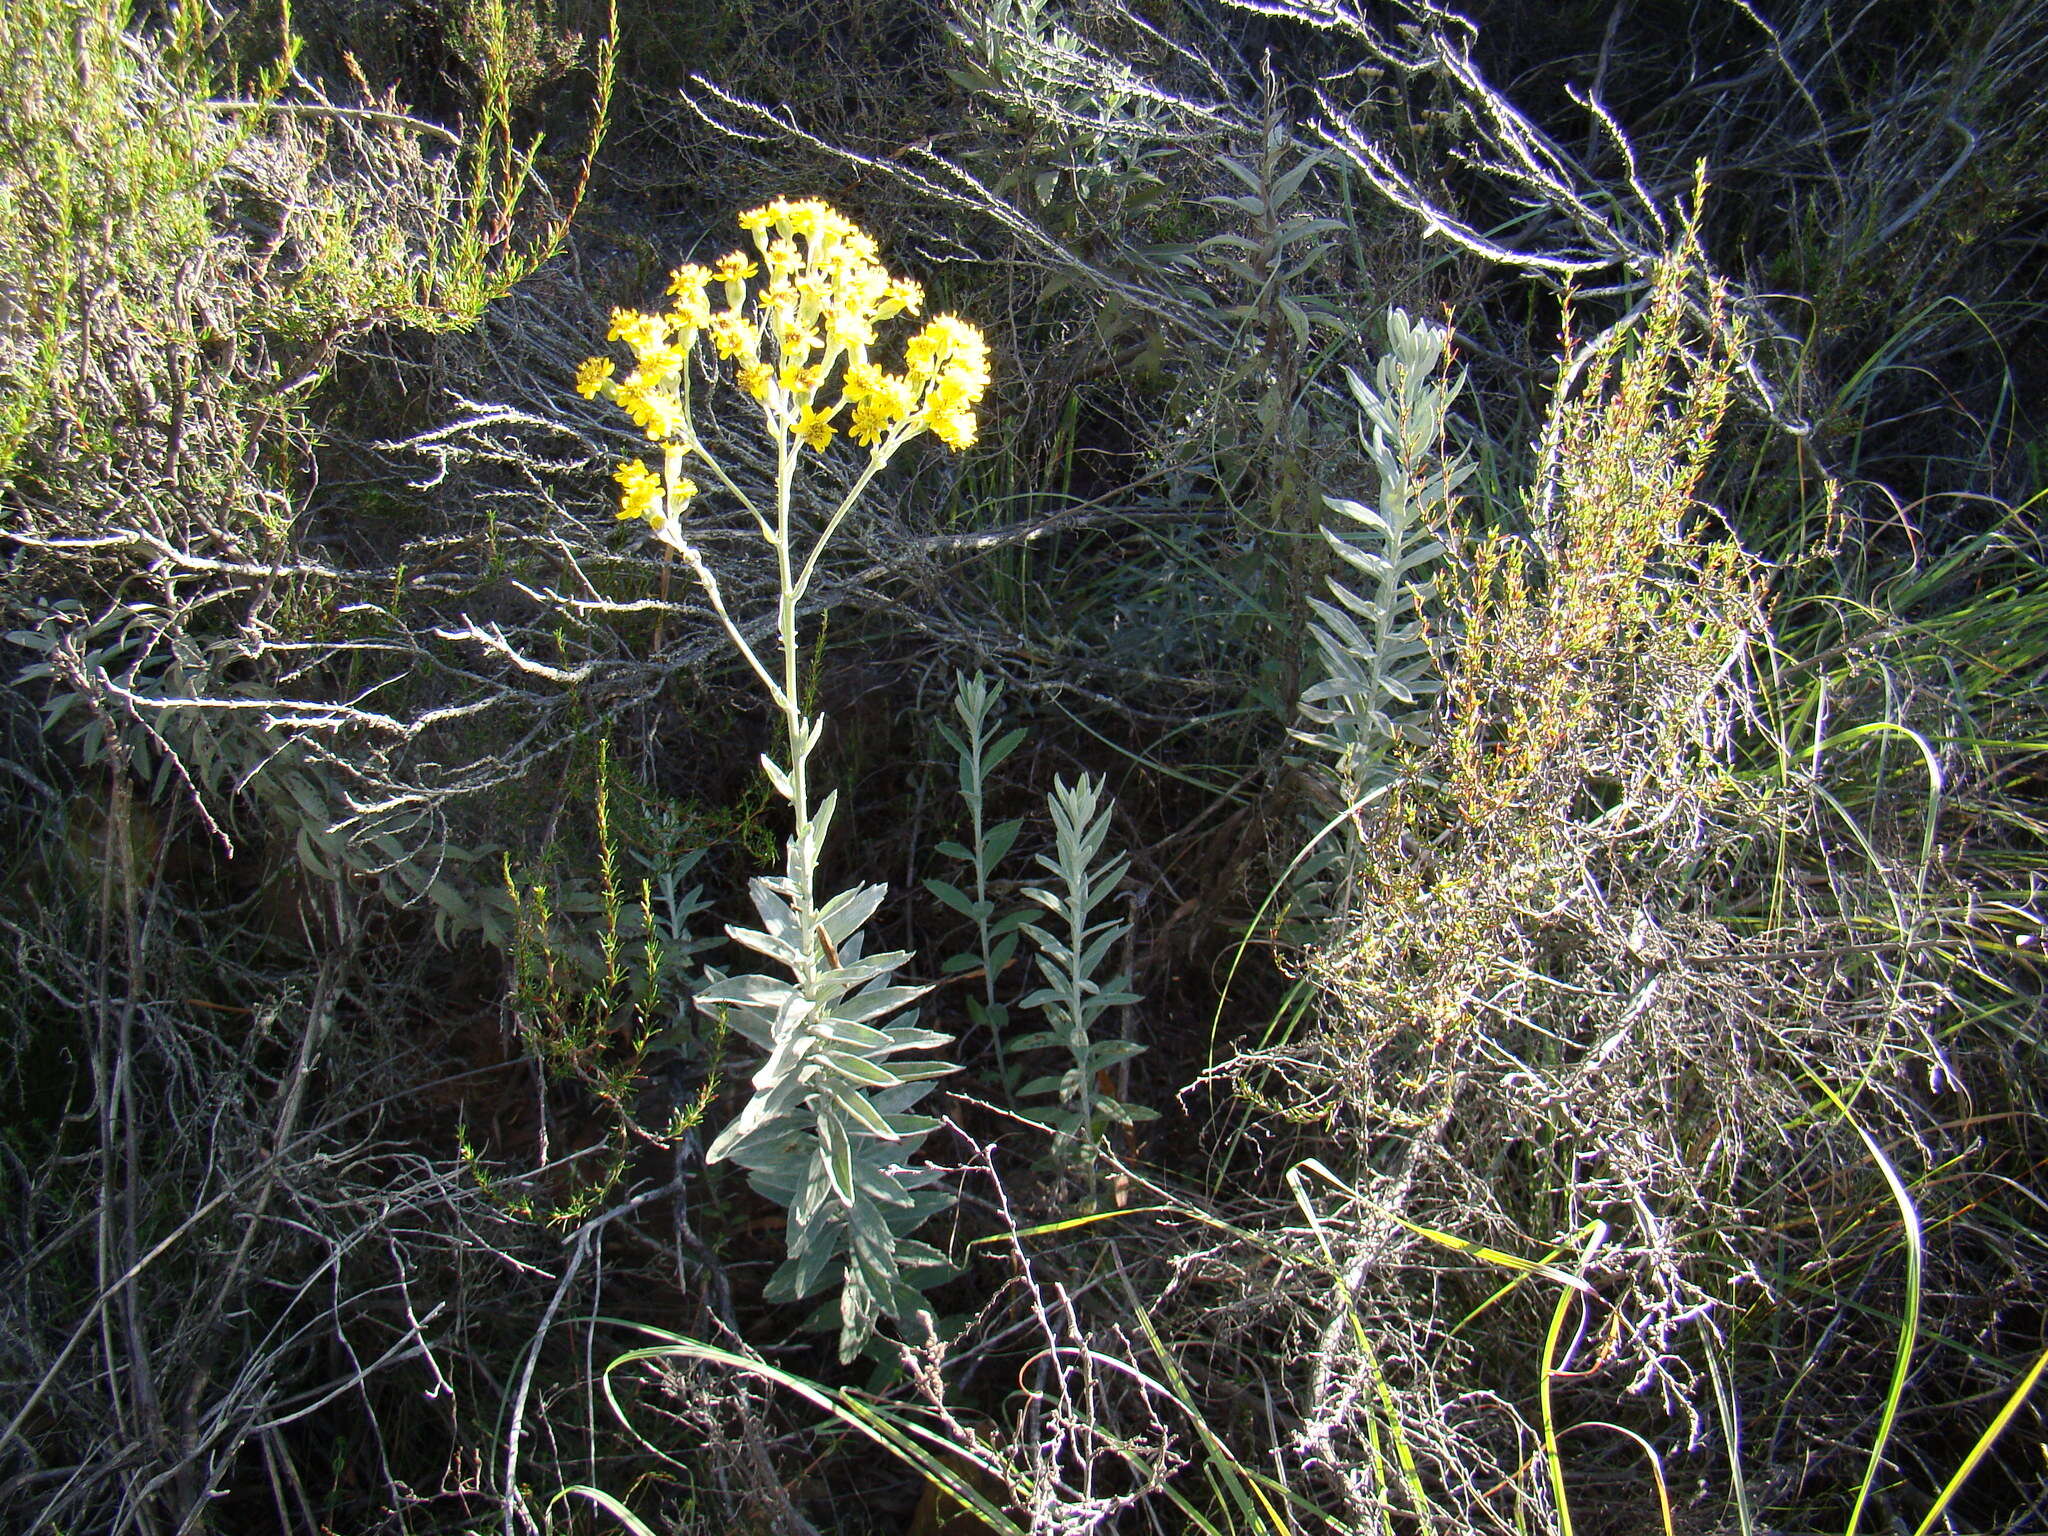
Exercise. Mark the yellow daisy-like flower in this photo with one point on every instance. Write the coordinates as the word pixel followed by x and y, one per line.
pixel 639 489
pixel 645 334
pixel 757 379
pixel 689 314
pixel 732 337
pixel 595 373
pixel 848 329
pixel 688 281
pixel 684 493
pixel 903 298
pixel 947 338
pixel 734 268
pixel 952 425
pixel 888 399
pixel 656 412
pixel 660 368
pixel 862 380
pixel 815 429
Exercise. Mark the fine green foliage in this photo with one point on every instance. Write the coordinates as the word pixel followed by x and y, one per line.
pixel 1072 948
pixel 981 746
pixel 597 976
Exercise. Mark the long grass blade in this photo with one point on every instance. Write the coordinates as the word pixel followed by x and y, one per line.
pixel 896 1435
pixel 1983 1446
pixel 1909 1325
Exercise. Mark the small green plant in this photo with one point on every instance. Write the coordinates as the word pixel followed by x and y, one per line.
pixel 1380 668
pixel 829 1132
pixel 597 975
pixel 981 748
pixel 1070 953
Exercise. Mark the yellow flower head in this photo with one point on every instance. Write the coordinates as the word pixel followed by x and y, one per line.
pixel 645 334
pixel 639 489
pixel 735 268
pixel 660 368
pixel 947 339
pixel 886 399
pixel 783 258
pixel 815 429
pixel 952 425
pixel 733 337
pixel 815 312
pixel 691 310
pixel 902 298
pixel 657 412
pixel 687 281
pixel 849 329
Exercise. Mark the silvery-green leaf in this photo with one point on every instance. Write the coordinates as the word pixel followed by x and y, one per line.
pixel 1001 748
pixel 880 1185
pixel 790 1050
pixel 765 944
pixel 735 1136
pixel 842 1031
pixel 818 1261
pixel 860 1071
pixel 1103 1053
pixel 909 1037
pixel 776 913
pixel 855 973
pixel 1099 948
pixel 848 910
pixel 920 1071
pixel 838 1154
pixel 856 1315
pixel 782 1285
pixel 856 1108
pixel 877 1001
pixel 998 840
pixel 912 1254
pixel 872 1239
pixel 816 1191
pixel 749 990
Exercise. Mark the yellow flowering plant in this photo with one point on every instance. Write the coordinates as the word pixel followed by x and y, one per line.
pixel 828 1132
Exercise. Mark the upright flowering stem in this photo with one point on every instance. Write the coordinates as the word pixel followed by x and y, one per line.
pixel 828 1132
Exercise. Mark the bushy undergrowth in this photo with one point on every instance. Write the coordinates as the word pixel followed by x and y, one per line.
pixel 1460 761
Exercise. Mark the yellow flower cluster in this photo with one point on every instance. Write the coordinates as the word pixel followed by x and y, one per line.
pixel 811 318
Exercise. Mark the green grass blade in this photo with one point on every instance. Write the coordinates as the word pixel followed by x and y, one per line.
pixel 900 1437
pixel 1984 1443
pixel 1909 1326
